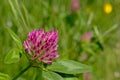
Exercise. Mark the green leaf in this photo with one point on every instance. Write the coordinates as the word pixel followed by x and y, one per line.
pixel 69 67
pixel 13 56
pixel 87 49
pixel 15 38
pixel 71 78
pixel 4 76
pixel 49 75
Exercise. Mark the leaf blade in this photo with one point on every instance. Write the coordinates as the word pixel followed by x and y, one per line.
pixel 12 57
pixel 69 67
pixel 49 75
pixel 71 78
pixel 15 38
pixel 4 76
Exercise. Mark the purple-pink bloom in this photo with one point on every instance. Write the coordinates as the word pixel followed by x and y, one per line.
pixel 87 36
pixel 75 5
pixel 87 75
pixel 42 46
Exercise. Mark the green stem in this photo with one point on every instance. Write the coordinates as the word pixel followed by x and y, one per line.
pixel 20 73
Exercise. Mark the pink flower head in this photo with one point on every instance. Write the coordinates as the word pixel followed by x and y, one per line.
pixel 75 5
pixel 42 46
pixel 87 75
pixel 87 37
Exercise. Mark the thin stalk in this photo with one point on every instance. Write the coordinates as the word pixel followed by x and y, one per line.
pixel 20 73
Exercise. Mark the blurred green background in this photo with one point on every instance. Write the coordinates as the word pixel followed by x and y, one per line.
pixel 102 52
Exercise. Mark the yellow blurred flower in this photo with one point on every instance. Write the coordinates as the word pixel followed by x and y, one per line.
pixel 88 10
pixel 107 8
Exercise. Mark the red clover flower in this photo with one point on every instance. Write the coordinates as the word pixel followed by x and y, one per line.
pixel 42 46
pixel 87 76
pixel 87 37
pixel 75 5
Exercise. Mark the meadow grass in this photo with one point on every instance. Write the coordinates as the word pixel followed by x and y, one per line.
pixel 23 16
